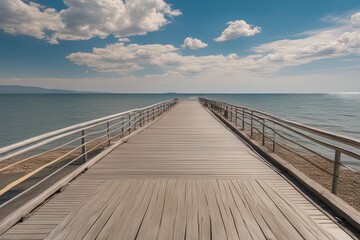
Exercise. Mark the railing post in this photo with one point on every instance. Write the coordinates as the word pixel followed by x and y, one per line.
pixel 122 127
pixel 233 115
pixel 108 132
pixel 336 172
pixel 153 113
pixel 243 119
pixel 274 140
pixel 263 131
pixel 236 116
pixel 129 123
pixel 141 117
pixel 147 116
pixel 135 121
pixel 83 147
pixel 251 124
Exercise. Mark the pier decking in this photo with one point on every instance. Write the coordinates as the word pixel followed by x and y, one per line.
pixel 184 177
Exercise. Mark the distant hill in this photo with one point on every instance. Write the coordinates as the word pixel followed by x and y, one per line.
pixel 27 89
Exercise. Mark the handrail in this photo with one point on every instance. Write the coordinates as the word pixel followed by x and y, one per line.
pixel 330 135
pixel 66 129
pixel 91 137
pixel 248 116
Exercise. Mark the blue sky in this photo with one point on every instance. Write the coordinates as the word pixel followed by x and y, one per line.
pixel 231 46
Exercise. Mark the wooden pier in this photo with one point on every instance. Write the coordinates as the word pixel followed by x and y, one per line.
pixel 185 176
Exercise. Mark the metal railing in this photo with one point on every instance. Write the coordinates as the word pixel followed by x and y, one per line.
pixel 56 150
pixel 276 131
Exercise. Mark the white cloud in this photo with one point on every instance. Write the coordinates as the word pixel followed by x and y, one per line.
pixel 83 20
pixel 193 43
pixel 323 45
pixel 355 19
pixel 121 58
pixel 86 19
pixel 265 59
pixel 123 39
pixel 237 29
pixel 124 59
pixel 18 17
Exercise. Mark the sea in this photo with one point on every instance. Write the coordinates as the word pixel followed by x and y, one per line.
pixel 26 115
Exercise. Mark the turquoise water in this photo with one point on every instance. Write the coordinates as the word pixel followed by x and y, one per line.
pixel 26 115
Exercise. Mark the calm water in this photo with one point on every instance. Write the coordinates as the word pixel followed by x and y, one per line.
pixel 26 115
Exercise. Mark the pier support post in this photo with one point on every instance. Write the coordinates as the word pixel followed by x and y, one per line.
pixel 336 172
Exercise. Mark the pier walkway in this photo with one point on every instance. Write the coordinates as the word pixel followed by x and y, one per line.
pixel 184 177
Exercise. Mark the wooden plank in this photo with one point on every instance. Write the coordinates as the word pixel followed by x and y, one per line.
pixel 192 223
pixel 166 229
pixel 217 223
pixel 238 217
pixel 227 217
pixel 140 209
pixel 301 221
pixel 151 219
pixel 204 216
pixel 122 211
pixel 78 223
pixel 246 205
pixel 180 219
pixel 124 187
